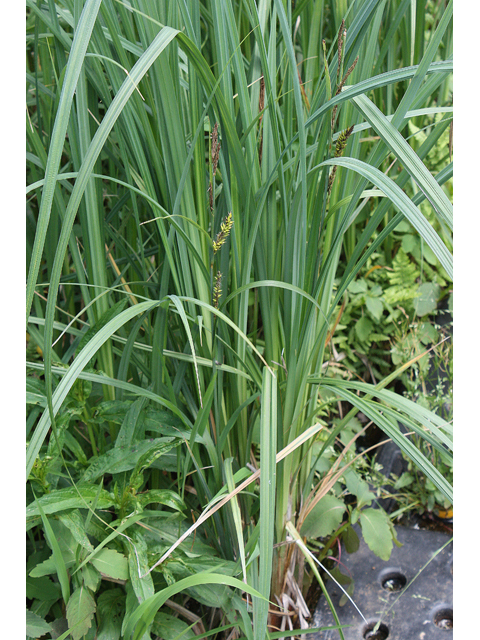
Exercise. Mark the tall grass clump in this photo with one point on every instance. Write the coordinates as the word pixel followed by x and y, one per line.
pixel 206 179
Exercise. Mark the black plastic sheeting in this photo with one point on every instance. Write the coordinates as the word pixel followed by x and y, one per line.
pixel 409 597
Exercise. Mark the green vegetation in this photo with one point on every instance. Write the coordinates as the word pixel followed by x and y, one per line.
pixel 239 227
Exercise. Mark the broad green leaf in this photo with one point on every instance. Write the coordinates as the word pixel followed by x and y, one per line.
pixel 57 555
pixel 358 488
pixel 376 531
pixel 42 588
pixel 111 563
pixel 109 629
pixel 375 307
pixel 91 577
pixel 426 300
pixel 324 518
pixel 74 370
pixel 110 609
pixel 79 497
pixel 80 612
pixel 124 458
pixel 170 627
pixel 36 626
pixel 141 580
pixel 350 540
pixel 74 522
pixel 161 496
pixel 363 328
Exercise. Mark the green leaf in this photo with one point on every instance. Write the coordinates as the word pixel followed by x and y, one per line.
pixel 358 286
pixel 75 61
pixel 350 540
pixel 324 518
pixel 74 522
pixel 162 496
pixel 363 328
pixel 109 629
pixel 375 307
pixel 91 577
pixel 105 318
pixel 70 498
pixel 169 627
pixel 132 424
pixel 158 447
pixel 138 563
pixel 127 457
pixel 42 588
pixel 409 242
pixel 358 488
pixel 112 411
pixel 376 531
pixel 111 563
pixel 403 203
pixel 36 626
pixel 80 611
pixel 110 608
pixel 143 616
pixel 407 157
pixel 426 301
pixel 57 555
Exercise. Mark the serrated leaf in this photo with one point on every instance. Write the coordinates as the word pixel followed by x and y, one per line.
pixel 112 411
pixel 42 588
pixel 91 577
pixel 36 626
pixel 111 602
pixel 363 328
pixel 110 606
pixel 350 540
pixel 324 518
pixel 51 534
pixel 358 286
pixel 162 496
pixel 358 488
pixel 169 627
pixel 80 611
pixel 48 567
pixel 138 560
pixel 376 532
pixel 125 458
pixel 426 300
pixel 69 498
pixel 111 563
pixel 109 629
pixel 375 307
pixel 157 448
pixel 74 522
pixel 410 242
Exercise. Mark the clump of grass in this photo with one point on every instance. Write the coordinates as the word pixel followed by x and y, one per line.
pixel 160 403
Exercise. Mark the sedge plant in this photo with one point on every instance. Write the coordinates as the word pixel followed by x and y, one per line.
pixel 205 180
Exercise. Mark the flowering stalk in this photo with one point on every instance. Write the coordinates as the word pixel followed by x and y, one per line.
pixel 339 149
pixel 224 232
